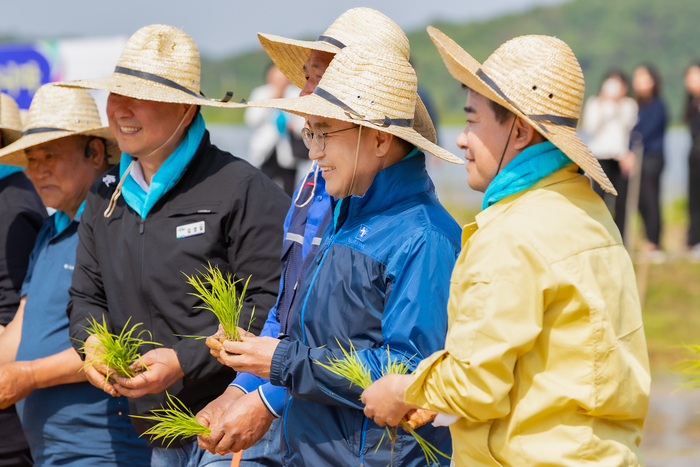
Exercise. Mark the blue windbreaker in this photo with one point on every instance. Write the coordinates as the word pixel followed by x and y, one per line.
pixel 381 280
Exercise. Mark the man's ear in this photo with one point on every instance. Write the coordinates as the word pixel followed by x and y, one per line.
pixel 525 135
pixel 97 152
pixel 383 143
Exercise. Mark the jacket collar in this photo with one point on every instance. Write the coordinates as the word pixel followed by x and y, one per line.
pixel 392 185
pixel 489 214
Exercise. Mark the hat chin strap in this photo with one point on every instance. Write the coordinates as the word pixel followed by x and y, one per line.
pixel 357 156
pixel 118 190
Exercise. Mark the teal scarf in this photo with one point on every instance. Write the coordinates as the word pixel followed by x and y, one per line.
pixel 61 219
pixel 167 175
pixel 527 168
pixel 7 170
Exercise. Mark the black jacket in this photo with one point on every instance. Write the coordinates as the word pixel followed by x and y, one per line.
pixel 132 267
pixel 21 217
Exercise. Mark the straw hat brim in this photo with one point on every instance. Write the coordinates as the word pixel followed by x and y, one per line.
pixel 463 67
pixel 13 154
pixel 139 88
pixel 315 105
pixel 290 56
pixel 9 135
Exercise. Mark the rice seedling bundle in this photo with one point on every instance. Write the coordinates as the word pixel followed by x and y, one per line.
pixel 218 292
pixel 351 368
pixel 117 352
pixel 690 367
pixel 174 420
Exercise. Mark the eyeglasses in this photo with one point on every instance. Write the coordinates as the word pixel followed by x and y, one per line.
pixel 320 137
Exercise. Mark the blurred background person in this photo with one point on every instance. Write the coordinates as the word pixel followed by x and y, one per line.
pixel 651 125
pixel 21 216
pixel 277 134
pixel 692 118
pixel 608 119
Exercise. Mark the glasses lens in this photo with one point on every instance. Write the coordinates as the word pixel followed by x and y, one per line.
pixel 320 139
pixel 306 137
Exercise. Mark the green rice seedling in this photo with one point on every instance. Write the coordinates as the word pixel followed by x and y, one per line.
pixel 117 352
pixel 218 292
pixel 174 420
pixel 689 368
pixel 351 368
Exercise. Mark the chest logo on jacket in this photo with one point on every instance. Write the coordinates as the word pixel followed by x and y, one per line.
pixel 363 232
pixel 109 179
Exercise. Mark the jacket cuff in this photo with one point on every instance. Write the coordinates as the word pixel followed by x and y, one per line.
pixel 278 362
pixel 248 382
pixel 273 397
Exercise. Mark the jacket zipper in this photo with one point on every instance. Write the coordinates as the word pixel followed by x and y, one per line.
pixel 319 261
pixel 362 441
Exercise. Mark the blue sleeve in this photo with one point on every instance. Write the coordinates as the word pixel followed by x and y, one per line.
pixel 273 397
pixel 414 325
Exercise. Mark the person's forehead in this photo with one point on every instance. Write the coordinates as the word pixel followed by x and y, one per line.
pixel 475 102
pixel 318 59
pixel 316 121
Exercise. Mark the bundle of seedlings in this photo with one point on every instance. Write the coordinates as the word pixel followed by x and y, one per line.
pixel 174 420
pixel 690 367
pixel 116 352
pixel 218 292
pixel 351 368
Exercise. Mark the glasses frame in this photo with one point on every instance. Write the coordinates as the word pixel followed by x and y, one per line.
pixel 319 136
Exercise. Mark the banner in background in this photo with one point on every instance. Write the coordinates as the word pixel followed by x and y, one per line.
pixel 25 67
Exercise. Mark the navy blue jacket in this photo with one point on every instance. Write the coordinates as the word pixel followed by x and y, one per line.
pixel 381 280
pixel 651 124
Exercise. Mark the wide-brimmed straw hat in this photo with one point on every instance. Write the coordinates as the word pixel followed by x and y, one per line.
pixel 364 26
pixel 159 63
pixel 537 78
pixel 58 112
pixel 369 87
pixel 10 122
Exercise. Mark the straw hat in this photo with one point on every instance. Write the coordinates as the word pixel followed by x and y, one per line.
pixel 159 63
pixel 57 112
pixel 369 87
pixel 10 123
pixel 539 79
pixel 363 26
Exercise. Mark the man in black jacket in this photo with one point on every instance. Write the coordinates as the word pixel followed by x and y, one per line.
pixel 175 204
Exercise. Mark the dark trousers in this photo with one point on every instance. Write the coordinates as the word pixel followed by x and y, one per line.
pixel 21 458
pixel 649 196
pixel 616 204
pixel 694 198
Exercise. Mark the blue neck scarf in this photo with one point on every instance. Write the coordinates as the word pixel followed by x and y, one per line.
pixel 61 219
pixel 527 168
pixel 167 175
pixel 7 170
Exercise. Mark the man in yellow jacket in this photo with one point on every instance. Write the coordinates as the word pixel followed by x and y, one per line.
pixel 545 362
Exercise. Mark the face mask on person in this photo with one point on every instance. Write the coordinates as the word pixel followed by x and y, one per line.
pixel 612 88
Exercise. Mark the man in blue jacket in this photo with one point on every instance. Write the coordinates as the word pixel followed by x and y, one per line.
pixel 251 404
pixel 381 278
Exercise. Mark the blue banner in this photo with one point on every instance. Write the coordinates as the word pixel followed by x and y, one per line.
pixel 23 68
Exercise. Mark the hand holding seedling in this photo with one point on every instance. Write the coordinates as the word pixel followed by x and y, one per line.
pixel 209 416
pixel 16 382
pixel 162 369
pixel 252 354
pixel 215 342
pixel 243 424
pixel 384 399
pixel 97 375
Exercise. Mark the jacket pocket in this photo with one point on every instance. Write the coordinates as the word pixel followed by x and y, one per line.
pixel 192 209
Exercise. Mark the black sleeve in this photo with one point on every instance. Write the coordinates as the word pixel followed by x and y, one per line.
pixel 87 293
pixel 255 245
pixel 21 217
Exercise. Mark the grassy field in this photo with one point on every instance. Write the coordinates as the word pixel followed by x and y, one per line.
pixel 671 302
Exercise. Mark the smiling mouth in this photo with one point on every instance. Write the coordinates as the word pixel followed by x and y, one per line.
pixel 129 130
pixel 326 168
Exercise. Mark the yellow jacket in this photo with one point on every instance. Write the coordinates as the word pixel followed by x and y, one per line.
pixel 545 359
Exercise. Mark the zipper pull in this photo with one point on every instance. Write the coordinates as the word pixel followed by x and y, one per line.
pixel 141 225
pixel 295 284
pixel 325 249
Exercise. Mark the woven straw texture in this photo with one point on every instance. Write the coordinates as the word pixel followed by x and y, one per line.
pixel 65 112
pixel 163 51
pixel 10 122
pixel 357 26
pixel 374 84
pixel 539 75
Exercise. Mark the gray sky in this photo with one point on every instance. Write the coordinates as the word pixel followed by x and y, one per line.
pixel 222 27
